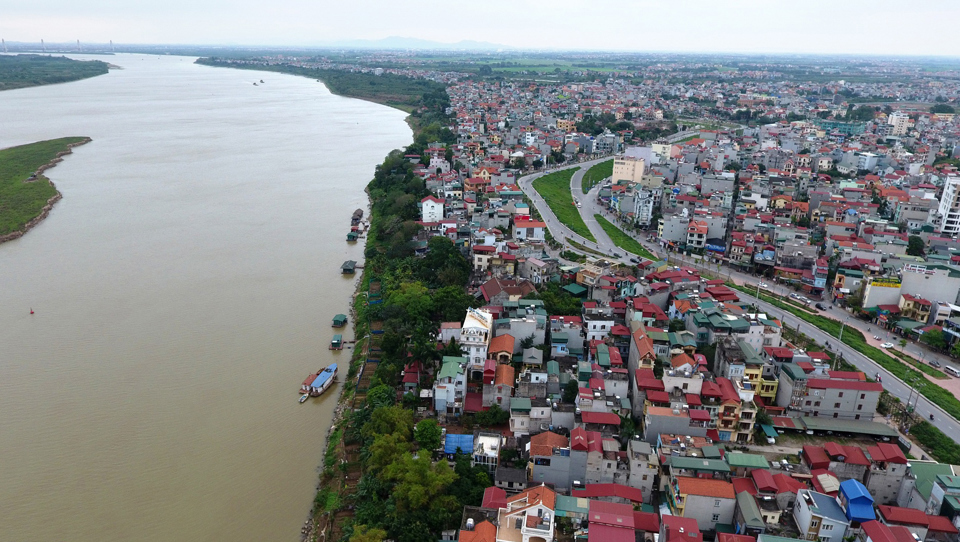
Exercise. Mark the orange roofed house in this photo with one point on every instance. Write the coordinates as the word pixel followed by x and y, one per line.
pixel 706 500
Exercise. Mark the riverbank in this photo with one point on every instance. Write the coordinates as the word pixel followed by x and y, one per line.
pixel 28 70
pixel 30 195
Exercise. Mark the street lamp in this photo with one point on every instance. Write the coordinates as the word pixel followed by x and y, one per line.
pixel 842 324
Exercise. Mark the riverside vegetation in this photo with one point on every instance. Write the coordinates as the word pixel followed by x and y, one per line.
pixel 20 71
pixel 23 194
pixel 401 493
pixel 397 91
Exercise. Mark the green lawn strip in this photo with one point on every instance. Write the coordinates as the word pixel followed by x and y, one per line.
pixel 854 339
pixel 554 188
pixel 583 248
pixel 622 240
pixel 596 174
pixel 940 446
pixel 21 202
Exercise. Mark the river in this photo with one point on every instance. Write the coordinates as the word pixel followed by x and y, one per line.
pixel 183 288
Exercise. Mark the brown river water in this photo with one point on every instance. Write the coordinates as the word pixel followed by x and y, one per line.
pixel 183 288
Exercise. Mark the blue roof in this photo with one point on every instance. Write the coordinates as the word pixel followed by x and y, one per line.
pixel 464 442
pixel 827 506
pixel 859 501
pixel 327 374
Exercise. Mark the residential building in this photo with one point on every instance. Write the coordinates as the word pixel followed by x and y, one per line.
pixel 819 517
pixel 708 501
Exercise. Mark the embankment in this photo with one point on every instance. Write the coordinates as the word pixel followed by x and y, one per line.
pixel 23 202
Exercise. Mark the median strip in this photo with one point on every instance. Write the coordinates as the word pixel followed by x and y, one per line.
pixel 854 339
pixel 554 188
pixel 622 240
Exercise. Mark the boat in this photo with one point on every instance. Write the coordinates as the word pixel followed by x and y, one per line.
pixel 254 84
pixel 261 80
pixel 340 320
pixel 319 382
pixel 304 397
pixel 337 342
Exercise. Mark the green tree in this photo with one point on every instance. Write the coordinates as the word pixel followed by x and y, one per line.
pixel 915 245
pixel 570 391
pixel 677 325
pixel 414 300
pixel 380 396
pixel 385 450
pixel 518 163
pixel 935 339
pixel 955 350
pixel 418 481
pixel 902 343
pixel 942 108
pixel 451 303
pixel 428 434
pixel 492 417
pixel 362 533
pixel 389 419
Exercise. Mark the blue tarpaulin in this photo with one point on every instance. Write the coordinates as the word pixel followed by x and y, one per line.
pixel 464 442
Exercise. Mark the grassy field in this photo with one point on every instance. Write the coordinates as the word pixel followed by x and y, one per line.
pixel 586 249
pixel 397 91
pixel 596 174
pixel 854 339
pixel 555 190
pixel 19 71
pixel 623 240
pixel 21 202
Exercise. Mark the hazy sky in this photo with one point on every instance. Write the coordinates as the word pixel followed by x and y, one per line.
pixel 920 27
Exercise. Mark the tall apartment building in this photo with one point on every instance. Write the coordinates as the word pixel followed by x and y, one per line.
pixel 949 209
pixel 898 121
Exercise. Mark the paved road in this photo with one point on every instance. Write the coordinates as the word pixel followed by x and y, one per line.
pixel 892 384
pixel 898 388
pixel 557 229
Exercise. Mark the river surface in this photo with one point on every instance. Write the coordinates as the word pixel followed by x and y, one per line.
pixel 183 289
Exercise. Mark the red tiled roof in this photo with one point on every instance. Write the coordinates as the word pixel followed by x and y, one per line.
pixel 744 484
pixel 543 443
pixel 606 418
pixel 609 490
pixel 904 516
pixel 705 487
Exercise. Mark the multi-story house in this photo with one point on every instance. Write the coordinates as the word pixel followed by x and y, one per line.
pixel 819 517
pixel 529 516
pixel 843 399
pixel 888 467
pixel 643 468
pixel 450 386
pixel 708 501
pixel 475 335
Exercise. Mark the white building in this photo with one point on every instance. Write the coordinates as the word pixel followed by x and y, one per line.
pixel 475 335
pixel 949 209
pixel 431 209
pixel 898 120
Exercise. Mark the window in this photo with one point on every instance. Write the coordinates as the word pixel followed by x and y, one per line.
pixel 716 517
pixel 814 523
pixel 836 405
pixel 836 415
pixel 808 403
pixel 857 417
pixel 644 476
pixel 817 403
pixel 840 394
pixel 716 503
pixel 826 527
pixel 863 396
pixel 859 407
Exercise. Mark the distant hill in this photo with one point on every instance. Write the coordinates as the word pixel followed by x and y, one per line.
pixel 397 42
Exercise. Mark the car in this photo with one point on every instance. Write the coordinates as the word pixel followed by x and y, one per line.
pixel 886 345
pixel 617 255
pixel 794 296
pixel 634 260
pixel 876 337
pixel 762 285
pixel 935 363
pixel 820 306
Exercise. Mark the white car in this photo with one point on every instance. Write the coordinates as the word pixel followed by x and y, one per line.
pixel 763 285
pixel 886 345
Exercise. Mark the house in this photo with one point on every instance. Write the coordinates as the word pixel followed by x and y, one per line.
pixel 475 335
pixel 529 516
pixel 615 493
pixel 874 531
pixel 915 521
pixel 708 501
pixel 679 529
pixel 431 209
pixel 819 517
pixel 644 467
pixel 532 231
pixel 888 467
pixel 508 479
pixel 747 517
pixel 610 522
pixel 856 502
pixel 450 386
pixel 500 390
